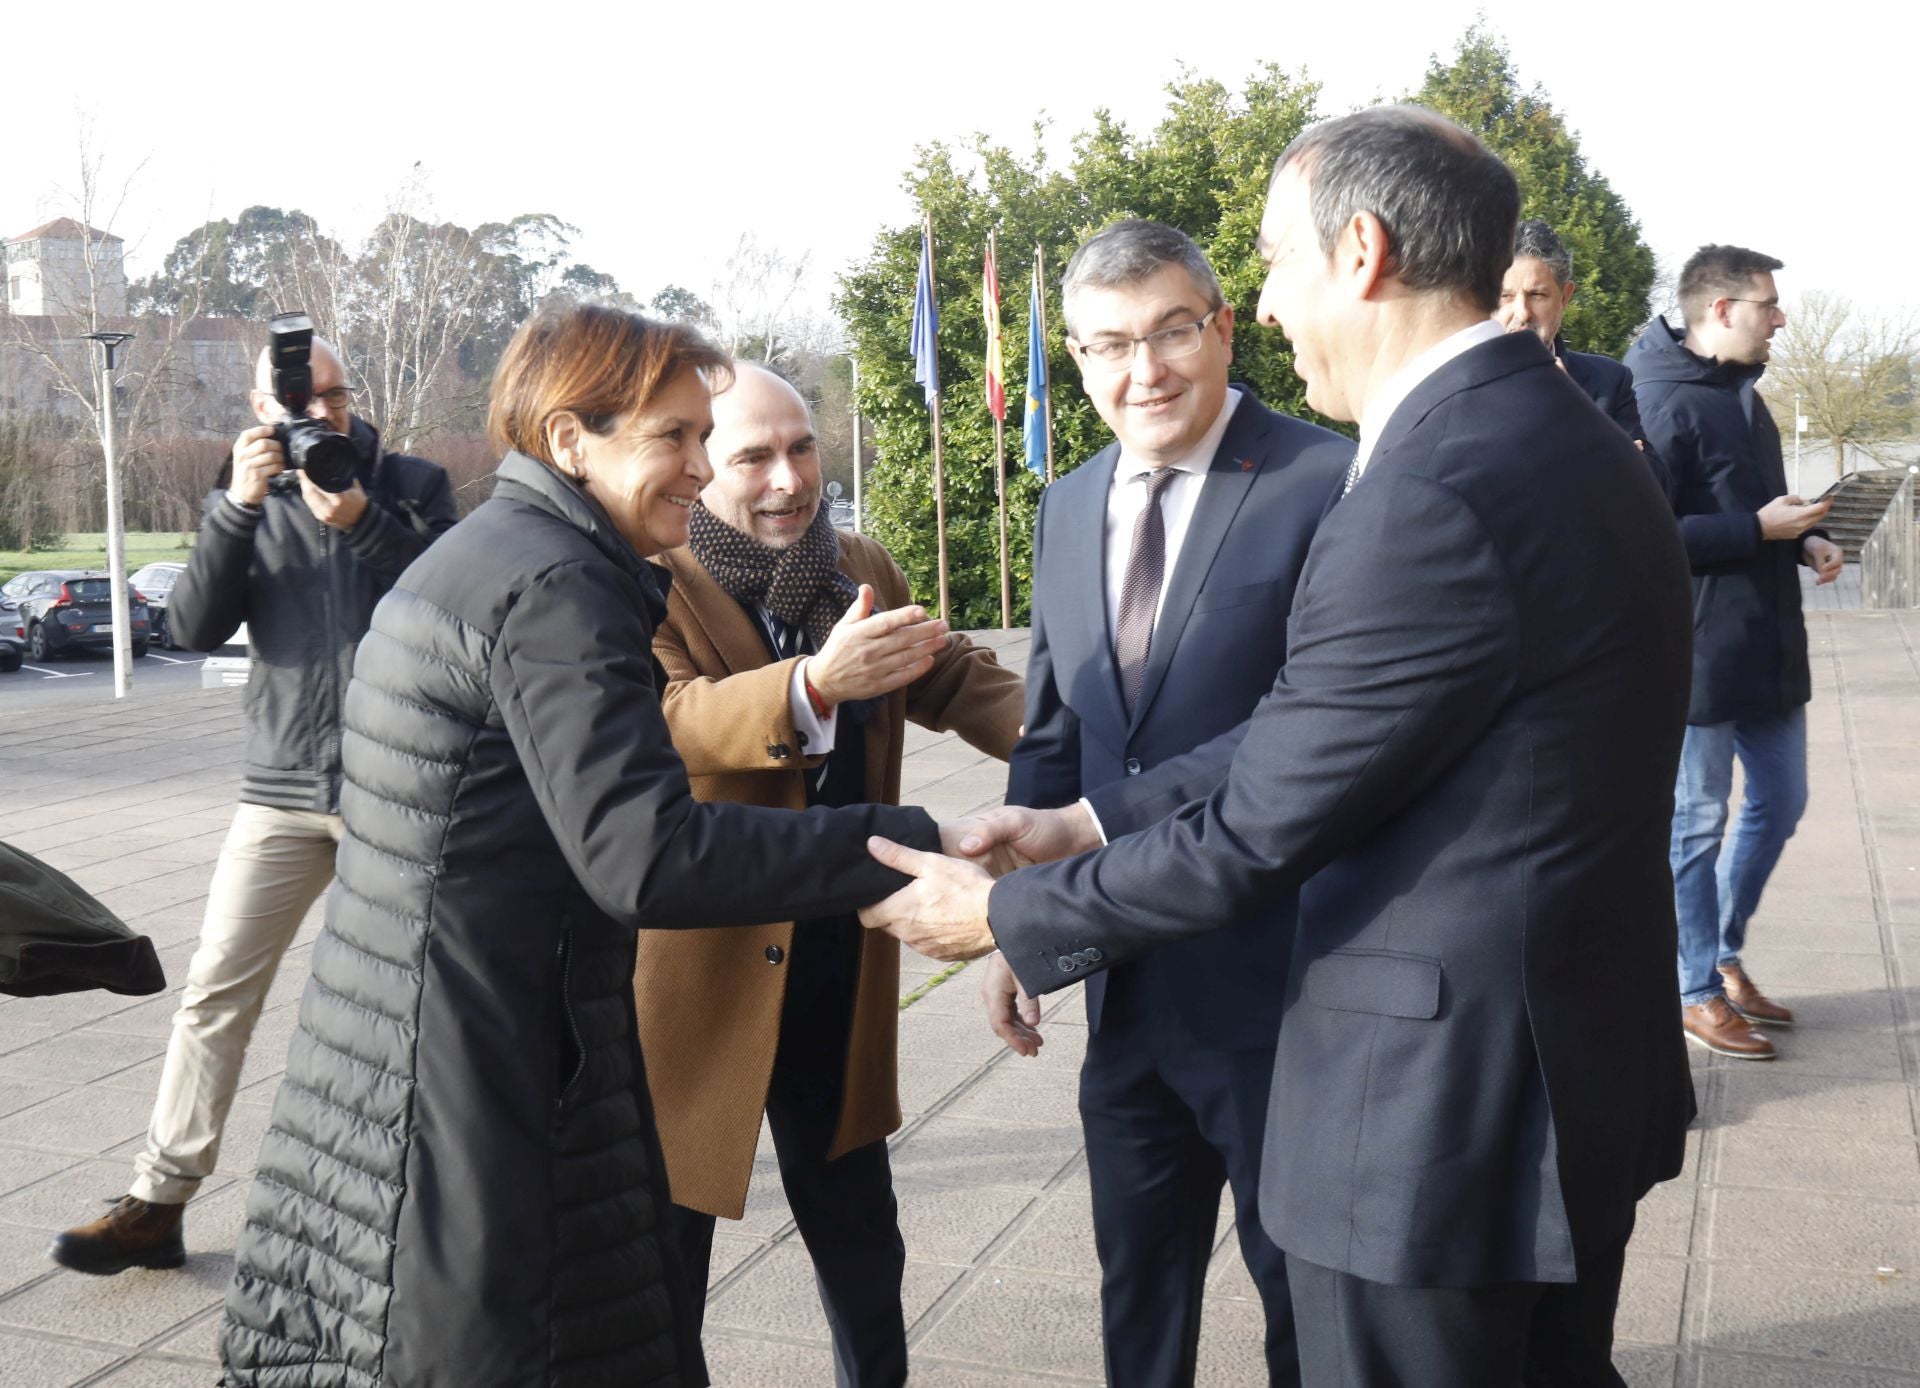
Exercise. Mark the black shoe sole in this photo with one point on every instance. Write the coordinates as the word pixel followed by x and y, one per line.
pixel 1719 1050
pixel 156 1259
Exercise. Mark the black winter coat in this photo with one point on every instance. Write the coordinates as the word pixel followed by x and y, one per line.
pixel 461 1185
pixel 1709 425
pixel 306 593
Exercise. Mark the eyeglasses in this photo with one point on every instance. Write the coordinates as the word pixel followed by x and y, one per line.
pixel 336 399
pixel 1168 344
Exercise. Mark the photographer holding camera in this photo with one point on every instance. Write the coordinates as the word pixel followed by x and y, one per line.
pixel 313 529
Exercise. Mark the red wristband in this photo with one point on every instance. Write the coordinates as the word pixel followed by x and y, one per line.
pixel 821 708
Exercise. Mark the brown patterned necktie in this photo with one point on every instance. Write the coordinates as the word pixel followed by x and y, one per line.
pixel 1140 586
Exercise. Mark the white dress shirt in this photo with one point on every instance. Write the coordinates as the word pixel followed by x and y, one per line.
pixel 1127 498
pixel 1404 381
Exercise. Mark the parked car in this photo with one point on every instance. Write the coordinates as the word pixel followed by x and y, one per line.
pixel 12 651
pixel 63 610
pixel 155 583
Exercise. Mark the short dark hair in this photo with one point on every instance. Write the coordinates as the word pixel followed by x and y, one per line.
pixel 1130 250
pixel 1718 272
pixel 598 360
pixel 1538 240
pixel 1447 202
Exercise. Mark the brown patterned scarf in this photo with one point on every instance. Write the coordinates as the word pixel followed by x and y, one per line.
pixel 801 584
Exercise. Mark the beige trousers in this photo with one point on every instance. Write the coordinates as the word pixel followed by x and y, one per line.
pixel 274 865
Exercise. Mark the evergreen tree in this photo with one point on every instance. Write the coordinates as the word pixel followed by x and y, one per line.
pixel 1613 266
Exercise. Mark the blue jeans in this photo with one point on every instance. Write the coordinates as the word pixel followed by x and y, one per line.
pixel 1715 893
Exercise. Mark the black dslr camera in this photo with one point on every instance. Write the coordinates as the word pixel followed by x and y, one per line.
pixel 328 459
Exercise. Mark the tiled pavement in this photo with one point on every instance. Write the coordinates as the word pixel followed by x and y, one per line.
pixel 1787 1255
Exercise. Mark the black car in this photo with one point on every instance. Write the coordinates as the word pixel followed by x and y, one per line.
pixel 58 611
pixel 155 583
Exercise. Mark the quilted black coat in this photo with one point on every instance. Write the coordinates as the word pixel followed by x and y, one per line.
pixel 461 1186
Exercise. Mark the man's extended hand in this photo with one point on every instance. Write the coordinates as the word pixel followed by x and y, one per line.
pixel 1014 1017
pixel 870 653
pixel 1824 556
pixel 1012 837
pixel 1788 517
pixel 943 915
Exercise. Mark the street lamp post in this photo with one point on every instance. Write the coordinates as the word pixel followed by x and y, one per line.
pixel 109 343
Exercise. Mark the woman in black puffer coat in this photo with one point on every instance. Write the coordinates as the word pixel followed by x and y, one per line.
pixel 461 1184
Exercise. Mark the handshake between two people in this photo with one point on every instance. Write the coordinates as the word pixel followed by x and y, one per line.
pixel 942 913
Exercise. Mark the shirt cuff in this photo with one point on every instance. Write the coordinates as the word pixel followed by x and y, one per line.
pixel 1098 827
pixel 816 733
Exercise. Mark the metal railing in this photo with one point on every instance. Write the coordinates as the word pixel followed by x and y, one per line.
pixel 1887 560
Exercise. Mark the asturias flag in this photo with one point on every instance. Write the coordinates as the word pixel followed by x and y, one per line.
pixel 1036 385
pixel 996 366
pixel 926 327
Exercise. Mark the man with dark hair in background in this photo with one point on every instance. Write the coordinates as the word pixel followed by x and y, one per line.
pixel 1746 538
pixel 1465 769
pixel 1534 297
pixel 302 568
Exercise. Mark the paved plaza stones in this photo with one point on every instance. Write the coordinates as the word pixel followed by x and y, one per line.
pixel 1786 1256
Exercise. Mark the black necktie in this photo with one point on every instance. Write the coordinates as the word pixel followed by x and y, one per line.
pixel 1140 586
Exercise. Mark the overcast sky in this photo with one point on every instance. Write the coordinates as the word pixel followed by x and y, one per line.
pixel 664 132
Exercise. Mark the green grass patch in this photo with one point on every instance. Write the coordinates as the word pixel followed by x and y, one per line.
pixel 88 550
pixel 918 993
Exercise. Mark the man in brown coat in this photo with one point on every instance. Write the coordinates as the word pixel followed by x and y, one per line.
pixel 794 658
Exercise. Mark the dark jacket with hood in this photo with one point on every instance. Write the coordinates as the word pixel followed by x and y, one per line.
pixel 1709 425
pixel 461 1183
pixel 306 593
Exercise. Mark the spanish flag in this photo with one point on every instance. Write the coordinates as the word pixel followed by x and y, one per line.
pixel 996 368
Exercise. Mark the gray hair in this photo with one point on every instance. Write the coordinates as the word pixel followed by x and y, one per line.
pixel 1538 240
pixel 1446 201
pixel 1126 252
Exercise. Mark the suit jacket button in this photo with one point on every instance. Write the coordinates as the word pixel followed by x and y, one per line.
pixel 779 751
pixel 1093 955
pixel 800 736
pixel 1065 965
pixel 775 954
pixel 1133 766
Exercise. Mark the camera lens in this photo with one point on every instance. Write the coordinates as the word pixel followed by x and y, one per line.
pixel 327 458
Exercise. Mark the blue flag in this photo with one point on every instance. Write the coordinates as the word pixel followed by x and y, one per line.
pixel 1036 385
pixel 926 328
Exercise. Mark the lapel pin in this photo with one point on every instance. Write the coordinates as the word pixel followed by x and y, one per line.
pixel 1246 465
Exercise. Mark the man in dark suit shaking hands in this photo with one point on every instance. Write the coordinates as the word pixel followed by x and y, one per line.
pixel 1163 570
pixel 1469 753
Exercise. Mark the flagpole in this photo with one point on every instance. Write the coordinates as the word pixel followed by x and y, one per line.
pixel 1000 449
pixel 939 462
pixel 1046 403
pixel 853 398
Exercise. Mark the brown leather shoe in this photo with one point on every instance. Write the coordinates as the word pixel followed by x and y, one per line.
pixel 1746 999
pixel 133 1234
pixel 1715 1025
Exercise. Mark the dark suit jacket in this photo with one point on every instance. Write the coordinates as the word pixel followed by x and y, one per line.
pixel 1216 649
pixel 1609 384
pixel 1471 753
